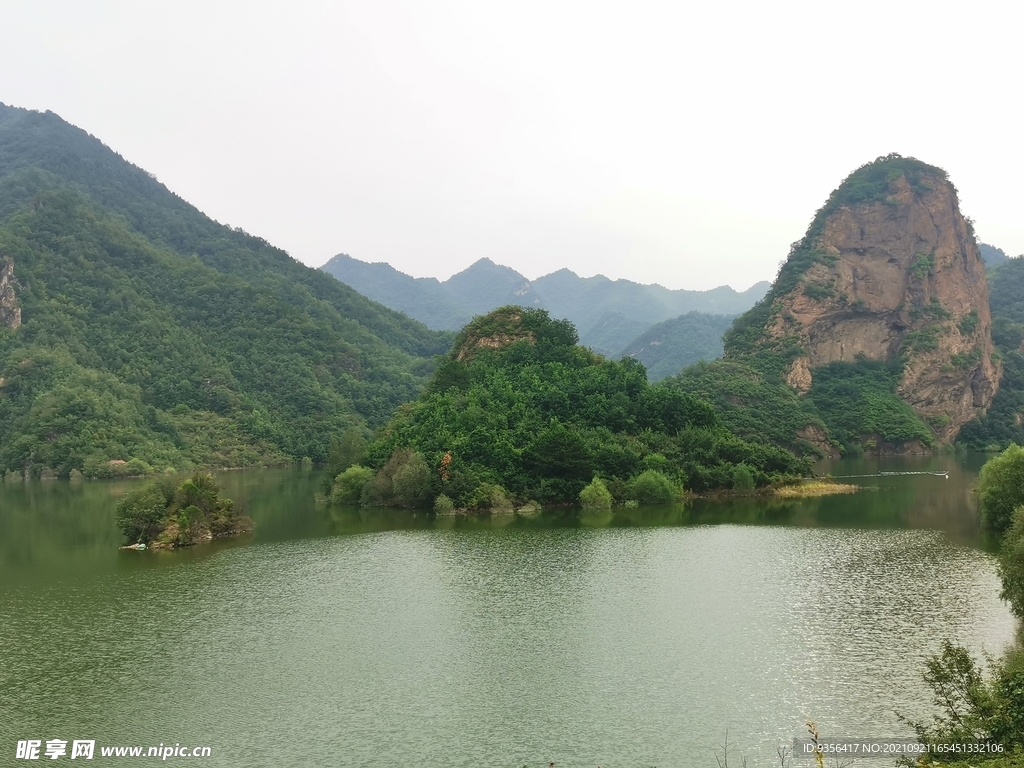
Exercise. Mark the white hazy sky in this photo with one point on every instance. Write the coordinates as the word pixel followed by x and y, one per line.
pixel 682 143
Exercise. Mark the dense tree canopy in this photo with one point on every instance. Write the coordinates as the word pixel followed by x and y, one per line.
pixel 518 404
pixel 152 334
pixel 1003 423
pixel 169 514
pixel 1000 488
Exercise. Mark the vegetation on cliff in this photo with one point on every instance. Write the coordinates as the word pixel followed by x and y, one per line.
pixel 858 402
pixel 165 514
pixel 519 411
pixel 154 337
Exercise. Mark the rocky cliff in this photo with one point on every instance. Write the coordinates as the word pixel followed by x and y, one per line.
pixel 10 312
pixel 889 270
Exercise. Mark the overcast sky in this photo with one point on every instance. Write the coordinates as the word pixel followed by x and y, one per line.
pixel 681 143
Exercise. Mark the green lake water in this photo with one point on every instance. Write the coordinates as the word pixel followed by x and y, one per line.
pixel 378 638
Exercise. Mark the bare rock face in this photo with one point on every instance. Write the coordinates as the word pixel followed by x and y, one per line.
pixel 897 274
pixel 496 330
pixel 10 312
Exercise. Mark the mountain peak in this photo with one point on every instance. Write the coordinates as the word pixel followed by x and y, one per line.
pixel 888 271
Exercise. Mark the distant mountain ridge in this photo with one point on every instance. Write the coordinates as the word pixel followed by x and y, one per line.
pixel 669 346
pixel 608 313
pixel 991 255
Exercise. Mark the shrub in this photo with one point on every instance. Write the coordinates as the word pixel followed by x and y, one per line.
pixel 443 505
pixel 652 487
pixel 349 485
pixel 489 496
pixel 974 706
pixel 818 291
pixel 138 467
pixel 964 696
pixel 501 504
pixel 380 492
pixel 596 495
pixel 411 483
pixel 1000 488
pixel 922 265
pixel 742 478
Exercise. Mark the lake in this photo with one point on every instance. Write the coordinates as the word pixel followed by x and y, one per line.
pixel 333 637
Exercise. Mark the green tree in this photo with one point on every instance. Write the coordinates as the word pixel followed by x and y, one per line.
pixel 596 495
pixel 140 514
pixel 742 478
pixel 1011 563
pixel 346 450
pixel 443 505
pixel 1000 488
pixel 652 487
pixel 412 482
pixel 348 485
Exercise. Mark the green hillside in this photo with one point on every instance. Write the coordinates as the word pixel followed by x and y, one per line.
pixel 757 407
pixel 152 333
pixel 668 347
pixel 1004 422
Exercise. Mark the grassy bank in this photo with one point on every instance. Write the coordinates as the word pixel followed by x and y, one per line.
pixel 815 488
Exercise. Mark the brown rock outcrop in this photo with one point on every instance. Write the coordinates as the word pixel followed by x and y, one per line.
pixel 10 312
pixel 495 330
pixel 898 274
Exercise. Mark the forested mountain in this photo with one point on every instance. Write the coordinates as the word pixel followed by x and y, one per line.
pixel 423 298
pixel 668 347
pixel 151 335
pixel 993 256
pixel 1004 422
pixel 608 313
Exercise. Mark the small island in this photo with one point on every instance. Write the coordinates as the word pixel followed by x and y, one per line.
pixel 166 515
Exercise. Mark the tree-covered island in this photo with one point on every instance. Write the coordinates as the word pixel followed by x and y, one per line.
pixel 167 515
pixel 519 412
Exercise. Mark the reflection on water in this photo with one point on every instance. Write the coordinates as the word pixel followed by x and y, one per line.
pixel 379 637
